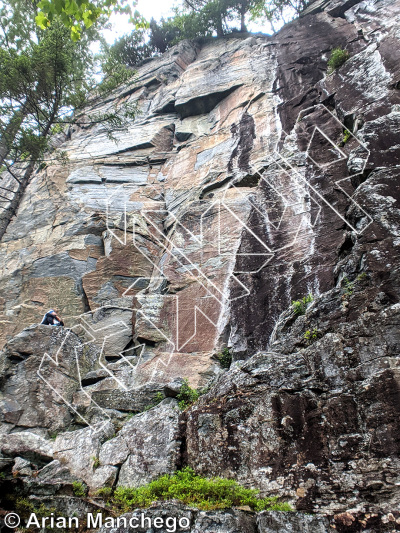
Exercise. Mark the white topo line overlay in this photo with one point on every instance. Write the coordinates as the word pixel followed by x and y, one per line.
pixel 169 248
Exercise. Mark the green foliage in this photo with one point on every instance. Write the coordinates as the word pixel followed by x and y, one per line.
pixel 159 397
pixel 346 137
pixel 129 50
pixel 96 462
pixel 2 475
pixel 40 79
pixel 105 492
pixel 300 306
pixel 347 287
pixel 78 16
pixel 25 508
pixel 78 489
pixel 206 18
pixel 337 58
pixel 192 489
pixel 187 396
pixel 62 157
pixel 276 11
pixel 225 358
pixel 163 34
pixel 311 335
pixel 115 118
pixel 115 73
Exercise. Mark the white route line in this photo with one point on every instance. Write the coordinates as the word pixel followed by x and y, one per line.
pixel 168 246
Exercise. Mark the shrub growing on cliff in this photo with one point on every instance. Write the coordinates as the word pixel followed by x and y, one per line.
pixel 187 396
pixel 225 358
pixel 158 398
pixel 346 137
pixel 311 335
pixel 78 489
pixel 25 508
pixel 192 489
pixel 96 462
pixel 337 58
pixel 300 306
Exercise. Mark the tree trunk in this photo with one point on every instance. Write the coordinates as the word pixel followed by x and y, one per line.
pixel 7 213
pixel 242 21
pixel 9 134
pixel 220 30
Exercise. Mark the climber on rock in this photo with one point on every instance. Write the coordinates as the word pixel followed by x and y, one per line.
pixel 52 319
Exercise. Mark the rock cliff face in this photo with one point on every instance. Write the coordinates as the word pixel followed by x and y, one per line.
pixel 249 178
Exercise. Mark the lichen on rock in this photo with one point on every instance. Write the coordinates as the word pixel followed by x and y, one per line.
pixel 250 179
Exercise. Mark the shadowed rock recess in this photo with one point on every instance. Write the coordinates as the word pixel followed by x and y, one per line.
pixel 249 178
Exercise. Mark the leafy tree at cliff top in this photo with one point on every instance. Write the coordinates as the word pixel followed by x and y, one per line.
pixel 78 15
pixel 204 18
pixel 44 75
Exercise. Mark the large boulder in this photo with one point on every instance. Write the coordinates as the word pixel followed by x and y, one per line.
pixel 40 372
pixel 147 446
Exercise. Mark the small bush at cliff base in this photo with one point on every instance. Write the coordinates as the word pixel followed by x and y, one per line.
pixel 225 358
pixel 25 508
pixel 187 396
pixel 78 489
pixel 104 492
pixel 337 59
pixel 192 489
pixel 158 398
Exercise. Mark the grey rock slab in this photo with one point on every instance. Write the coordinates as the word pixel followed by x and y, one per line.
pixel 103 476
pixel 42 365
pixel 282 522
pixel 21 467
pixel 169 513
pixel 27 445
pixel 152 442
pixel 134 400
pixel 79 449
pixel 111 327
pixel 173 387
pixel 225 521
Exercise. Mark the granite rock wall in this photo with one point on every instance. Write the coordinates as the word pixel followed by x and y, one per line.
pixel 249 178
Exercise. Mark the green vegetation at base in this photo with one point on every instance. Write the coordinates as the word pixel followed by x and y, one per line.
pixel 300 306
pixel 194 490
pixel 337 58
pixel 348 286
pixel 79 489
pixel 96 462
pixel 187 396
pixel 158 398
pixel 105 492
pixel 25 508
pixel 225 358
